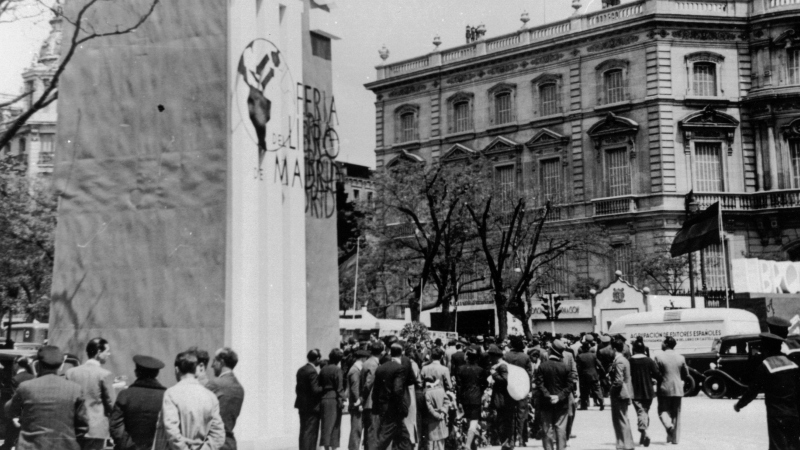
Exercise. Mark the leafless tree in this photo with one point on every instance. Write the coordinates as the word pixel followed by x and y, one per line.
pixel 83 30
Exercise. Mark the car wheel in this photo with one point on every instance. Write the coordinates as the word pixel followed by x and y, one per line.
pixel 715 386
pixel 690 387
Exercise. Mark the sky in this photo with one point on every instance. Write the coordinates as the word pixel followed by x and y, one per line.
pixel 405 27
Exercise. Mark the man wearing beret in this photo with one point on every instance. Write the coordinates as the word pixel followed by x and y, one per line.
pixel 51 410
pixel 133 421
pixel 777 377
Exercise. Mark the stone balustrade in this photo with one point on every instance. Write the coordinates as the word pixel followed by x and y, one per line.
pixel 614 205
pixel 586 22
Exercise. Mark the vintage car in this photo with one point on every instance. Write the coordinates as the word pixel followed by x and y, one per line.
pixel 730 375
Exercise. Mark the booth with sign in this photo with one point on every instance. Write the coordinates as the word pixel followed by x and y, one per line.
pixel 616 300
pixel 575 317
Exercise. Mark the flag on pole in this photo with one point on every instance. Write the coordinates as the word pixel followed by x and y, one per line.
pixel 700 231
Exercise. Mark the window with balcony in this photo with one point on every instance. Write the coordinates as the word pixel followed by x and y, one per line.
pixel 548 99
pixel 793 65
pixel 406 124
pixel 614 86
pixel 506 186
pixel 502 108
pixel 550 180
pixel 708 167
pixel 794 155
pixel 459 113
pixel 618 172
pixel 704 80
pixel 47 151
pixel 555 276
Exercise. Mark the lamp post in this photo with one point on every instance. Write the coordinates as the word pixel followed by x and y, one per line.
pixel 593 293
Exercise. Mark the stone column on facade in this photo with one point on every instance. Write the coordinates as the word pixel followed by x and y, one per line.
pixel 759 159
pixel 773 157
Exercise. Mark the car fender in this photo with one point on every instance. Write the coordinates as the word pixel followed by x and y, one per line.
pixel 724 375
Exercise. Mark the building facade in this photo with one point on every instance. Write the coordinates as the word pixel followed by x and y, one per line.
pixel 36 141
pixel 614 116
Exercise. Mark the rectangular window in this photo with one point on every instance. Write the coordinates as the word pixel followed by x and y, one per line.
pixel 502 108
pixel 619 176
pixel 614 86
pixel 705 79
pixel 356 194
pixel 320 46
pixel 408 128
pixel 550 180
pixel 622 261
pixel 506 186
pixel 794 154
pixel 714 262
pixel 708 167
pixel 793 63
pixel 555 276
pixel 549 103
pixel 462 117
pixel 47 149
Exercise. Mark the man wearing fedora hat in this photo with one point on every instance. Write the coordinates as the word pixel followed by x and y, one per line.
pixel 51 409
pixel 777 377
pixel 554 384
pixel 135 415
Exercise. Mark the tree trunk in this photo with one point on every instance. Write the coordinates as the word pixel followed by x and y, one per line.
pixel 447 316
pixel 502 318
pixel 526 328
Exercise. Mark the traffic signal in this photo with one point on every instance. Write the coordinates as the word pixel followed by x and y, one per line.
pixel 556 309
pixel 546 309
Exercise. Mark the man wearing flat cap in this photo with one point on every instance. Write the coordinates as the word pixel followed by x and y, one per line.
pixel 135 415
pixel 51 410
pixel 777 377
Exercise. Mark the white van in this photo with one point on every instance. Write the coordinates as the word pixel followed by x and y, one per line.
pixel 695 330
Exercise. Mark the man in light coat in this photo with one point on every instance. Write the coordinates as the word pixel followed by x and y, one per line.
pixel 621 393
pixel 369 420
pixel 98 391
pixel 673 370
pixel 354 406
pixel 190 416
pixel 438 370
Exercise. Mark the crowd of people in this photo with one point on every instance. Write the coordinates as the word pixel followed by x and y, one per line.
pixel 470 393
pixel 61 404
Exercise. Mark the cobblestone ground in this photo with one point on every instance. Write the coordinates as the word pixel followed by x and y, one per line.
pixel 706 424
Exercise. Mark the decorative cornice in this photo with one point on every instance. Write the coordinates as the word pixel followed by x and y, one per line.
pixel 612 43
pixel 407 90
pixel 705 35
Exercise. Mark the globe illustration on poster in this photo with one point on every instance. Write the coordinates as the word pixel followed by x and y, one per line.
pixel 265 97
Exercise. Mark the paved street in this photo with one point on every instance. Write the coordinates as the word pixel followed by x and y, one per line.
pixel 706 424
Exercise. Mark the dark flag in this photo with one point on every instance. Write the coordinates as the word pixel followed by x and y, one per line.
pixel 697 233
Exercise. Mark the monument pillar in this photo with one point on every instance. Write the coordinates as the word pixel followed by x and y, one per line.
pixel 188 197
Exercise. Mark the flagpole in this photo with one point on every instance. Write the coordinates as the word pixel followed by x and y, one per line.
pixel 725 261
pixel 689 203
pixel 355 290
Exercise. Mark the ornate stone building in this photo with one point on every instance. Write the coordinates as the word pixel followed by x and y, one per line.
pixel 36 140
pixel 616 115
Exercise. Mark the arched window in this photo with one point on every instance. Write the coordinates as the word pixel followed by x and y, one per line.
pixel 459 113
pixel 406 123
pixel 704 73
pixel 612 81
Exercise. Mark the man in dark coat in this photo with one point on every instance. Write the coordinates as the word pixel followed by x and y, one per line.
pixel 51 410
pixel 228 390
pixel 606 355
pixel 554 386
pixel 370 419
pixel 22 372
pixel 471 381
pixel 777 377
pixel 309 394
pixel 135 415
pixel 590 371
pixel 391 400
pixel 517 357
pixel 502 401
pixel 459 358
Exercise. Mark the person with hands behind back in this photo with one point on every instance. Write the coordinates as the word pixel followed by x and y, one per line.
pixel 554 384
